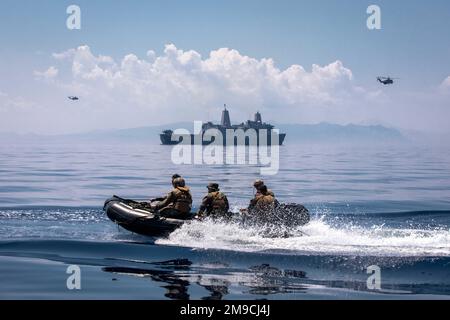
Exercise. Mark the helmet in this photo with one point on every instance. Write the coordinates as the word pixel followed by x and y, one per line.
pixel 263 189
pixel 213 186
pixel 179 182
pixel 176 175
pixel 258 184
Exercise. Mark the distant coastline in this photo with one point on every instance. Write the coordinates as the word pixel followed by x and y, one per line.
pixel 296 133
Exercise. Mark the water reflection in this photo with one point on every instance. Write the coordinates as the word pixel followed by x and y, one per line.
pixel 179 275
pixel 270 280
pixel 217 288
pixel 181 279
pixel 176 286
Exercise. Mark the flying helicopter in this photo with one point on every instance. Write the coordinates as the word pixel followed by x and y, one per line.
pixel 73 98
pixel 386 80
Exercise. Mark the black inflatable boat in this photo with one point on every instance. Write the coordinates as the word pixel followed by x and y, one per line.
pixel 139 218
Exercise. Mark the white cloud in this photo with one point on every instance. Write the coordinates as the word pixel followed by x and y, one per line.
pixel 179 85
pixel 186 83
pixel 48 74
pixel 64 55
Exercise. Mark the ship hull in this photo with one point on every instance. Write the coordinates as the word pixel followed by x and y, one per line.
pixel 166 139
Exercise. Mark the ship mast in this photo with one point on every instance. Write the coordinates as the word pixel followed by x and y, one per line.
pixel 225 120
pixel 258 118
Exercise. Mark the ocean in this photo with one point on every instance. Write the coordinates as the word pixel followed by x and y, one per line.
pixel 380 225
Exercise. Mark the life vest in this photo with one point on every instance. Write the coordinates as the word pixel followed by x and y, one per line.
pixel 219 201
pixel 264 202
pixel 269 192
pixel 183 199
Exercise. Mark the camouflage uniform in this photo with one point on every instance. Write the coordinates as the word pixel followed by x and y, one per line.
pixel 214 203
pixel 179 198
pixel 264 199
pixel 269 192
pixel 258 184
pixel 262 202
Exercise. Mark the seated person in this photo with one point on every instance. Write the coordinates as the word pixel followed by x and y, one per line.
pixel 214 203
pixel 263 202
pixel 178 202
pixel 258 184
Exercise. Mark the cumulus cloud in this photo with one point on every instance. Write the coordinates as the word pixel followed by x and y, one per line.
pixel 182 85
pixel 183 80
pixel 48 74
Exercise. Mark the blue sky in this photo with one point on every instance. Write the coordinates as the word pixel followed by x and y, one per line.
pixel 412 45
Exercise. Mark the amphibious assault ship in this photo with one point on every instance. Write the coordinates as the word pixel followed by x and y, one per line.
pixel 256 132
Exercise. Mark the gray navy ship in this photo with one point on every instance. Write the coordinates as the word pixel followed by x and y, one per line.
pixel 225 124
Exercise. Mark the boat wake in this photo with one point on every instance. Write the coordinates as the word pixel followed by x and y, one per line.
pixel 415 234
pixel 319 237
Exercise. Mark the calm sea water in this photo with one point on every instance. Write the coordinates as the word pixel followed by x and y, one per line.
pixel 372 205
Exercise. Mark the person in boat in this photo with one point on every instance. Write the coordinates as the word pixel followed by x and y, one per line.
pixel 178 202
pixel 264 200
pixel 174 176
pixel 258 184
pixel 215 203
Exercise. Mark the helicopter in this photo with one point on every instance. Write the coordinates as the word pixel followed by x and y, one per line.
pixel 386 80
pixel 73 98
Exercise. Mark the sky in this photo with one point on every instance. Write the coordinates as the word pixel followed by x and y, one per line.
pixel 138 63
